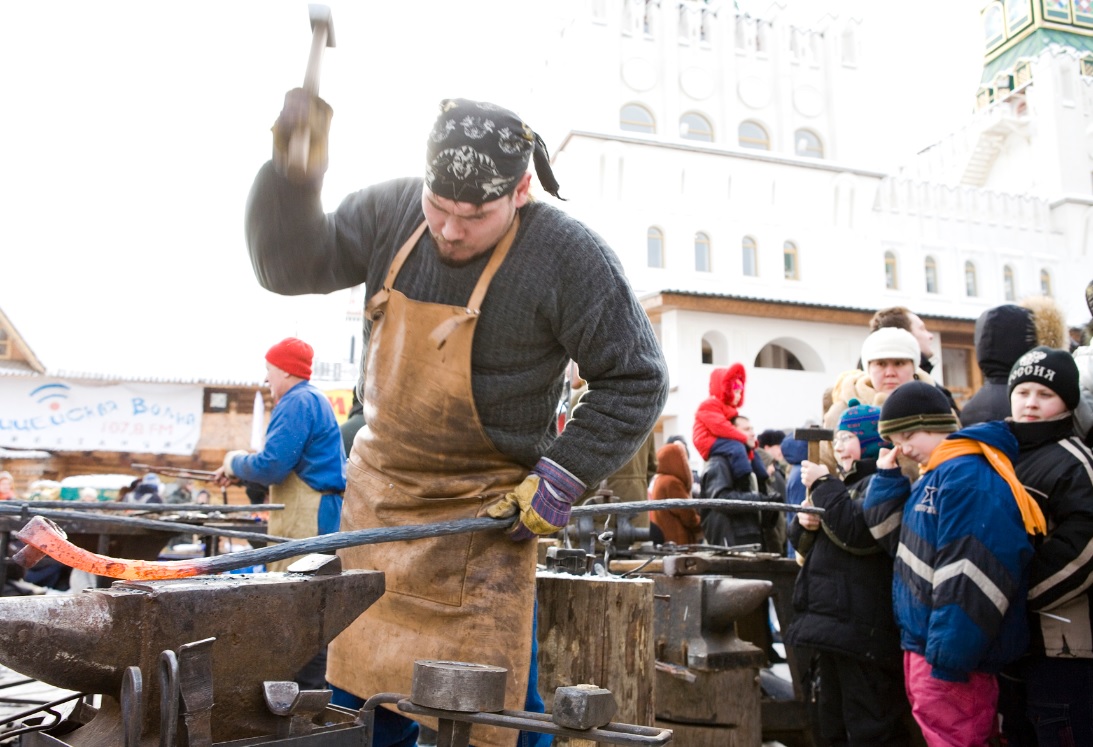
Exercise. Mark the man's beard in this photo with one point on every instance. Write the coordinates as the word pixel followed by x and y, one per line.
pixel 448 261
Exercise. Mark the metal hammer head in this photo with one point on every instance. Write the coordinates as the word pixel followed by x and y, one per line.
pixel 321 16
pixel 813 434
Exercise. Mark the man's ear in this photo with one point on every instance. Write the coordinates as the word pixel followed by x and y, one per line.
pixel 522 193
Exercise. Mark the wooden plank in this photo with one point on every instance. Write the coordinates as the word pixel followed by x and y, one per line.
pixel 599 632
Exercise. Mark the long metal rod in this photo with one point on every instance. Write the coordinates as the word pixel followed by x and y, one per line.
pixel 163 526
pixel 201 475
pixel 31 507
pixel 45 538
pixel 732 506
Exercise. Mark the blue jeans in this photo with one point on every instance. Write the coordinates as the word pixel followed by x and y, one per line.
pixel 395 730
pixel 1060 700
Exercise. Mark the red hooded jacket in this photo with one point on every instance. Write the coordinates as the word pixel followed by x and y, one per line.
pixel 713 420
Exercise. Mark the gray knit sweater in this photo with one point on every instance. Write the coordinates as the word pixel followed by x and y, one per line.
pixel 560 294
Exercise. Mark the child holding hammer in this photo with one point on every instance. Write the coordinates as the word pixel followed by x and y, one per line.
pixel 843 596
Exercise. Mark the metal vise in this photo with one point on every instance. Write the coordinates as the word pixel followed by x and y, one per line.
pixel 113 642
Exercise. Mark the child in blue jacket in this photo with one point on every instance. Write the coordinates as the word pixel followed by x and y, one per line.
pixel 960 539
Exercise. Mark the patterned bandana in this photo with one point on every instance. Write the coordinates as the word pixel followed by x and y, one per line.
pixel 477 152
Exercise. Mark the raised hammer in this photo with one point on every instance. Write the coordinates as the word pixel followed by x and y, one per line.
pixel 322 36
pixel 813 436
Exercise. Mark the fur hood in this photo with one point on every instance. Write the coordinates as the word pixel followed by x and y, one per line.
pixel 855 384
pixel 1050 324
pixel 672 460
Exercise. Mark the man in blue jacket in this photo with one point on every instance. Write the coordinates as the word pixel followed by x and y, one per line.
pixel 303 460
pixel 960 538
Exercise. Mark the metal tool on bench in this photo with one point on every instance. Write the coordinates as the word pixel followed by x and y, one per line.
pixel 192 661
pixel 201 475
pixel 88 519
pixel 459 694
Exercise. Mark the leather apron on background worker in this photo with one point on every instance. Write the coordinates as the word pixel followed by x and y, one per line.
pixel 424 457
pixel 300 517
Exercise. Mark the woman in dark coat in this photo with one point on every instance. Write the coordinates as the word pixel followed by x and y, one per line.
pixel 843 597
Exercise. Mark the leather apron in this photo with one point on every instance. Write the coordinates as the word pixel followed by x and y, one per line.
pixel 300 517
pixel 423 456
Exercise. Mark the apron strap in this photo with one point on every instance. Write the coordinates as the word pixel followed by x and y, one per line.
pixel 376 303
pixel 474 306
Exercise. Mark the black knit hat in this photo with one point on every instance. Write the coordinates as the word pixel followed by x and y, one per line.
pixel 770 437
pixel 917 406
pixel 1048 367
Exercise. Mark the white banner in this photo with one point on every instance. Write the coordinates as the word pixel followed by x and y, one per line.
pixel 61 416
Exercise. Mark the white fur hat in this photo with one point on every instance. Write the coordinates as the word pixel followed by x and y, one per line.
pixel 890 343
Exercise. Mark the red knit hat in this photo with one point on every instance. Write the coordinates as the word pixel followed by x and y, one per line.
pixel 293 356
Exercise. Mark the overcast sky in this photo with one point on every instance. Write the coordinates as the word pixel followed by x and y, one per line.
pixel 131 132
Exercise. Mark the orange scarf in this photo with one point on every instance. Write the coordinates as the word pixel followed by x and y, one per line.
pixel 1031 514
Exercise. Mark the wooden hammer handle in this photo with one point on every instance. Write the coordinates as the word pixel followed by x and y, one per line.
pixel 299 145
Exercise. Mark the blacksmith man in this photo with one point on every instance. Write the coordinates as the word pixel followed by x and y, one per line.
pixel 477 297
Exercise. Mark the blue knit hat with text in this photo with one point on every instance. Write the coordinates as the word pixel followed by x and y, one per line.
pixel 862 421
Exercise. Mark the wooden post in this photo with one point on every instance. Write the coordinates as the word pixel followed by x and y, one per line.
pixel 599 632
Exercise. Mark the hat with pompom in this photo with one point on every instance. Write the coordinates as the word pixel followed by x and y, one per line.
pixel 862 421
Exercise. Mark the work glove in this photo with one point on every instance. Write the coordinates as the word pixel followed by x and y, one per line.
pixel 542 500
pixel 307 114
pixel 229 458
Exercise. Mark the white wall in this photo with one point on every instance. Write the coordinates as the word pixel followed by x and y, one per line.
pixel 774 398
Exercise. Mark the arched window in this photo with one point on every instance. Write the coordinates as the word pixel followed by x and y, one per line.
pixel 655 245
pixel 702 253
pixel 636 118
pixel 850 45
pixel 693 126
pixel 753 135
pixel 751 257
pixel 1045 282
pixel 762 36
pixel 891 274
pixel 994 29
pixel 789 354
pixel 1008 288
pixel 971 286
pixel 807 143
pixel 791 261
pixel 715 348
pixel 930 266
pixel 776 356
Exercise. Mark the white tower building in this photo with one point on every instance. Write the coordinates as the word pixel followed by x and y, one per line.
pixel 710 152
